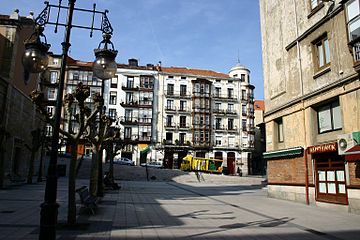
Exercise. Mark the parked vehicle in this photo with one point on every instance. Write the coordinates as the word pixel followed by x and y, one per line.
pixel 124 161
pixel 152 165
pixel 190 163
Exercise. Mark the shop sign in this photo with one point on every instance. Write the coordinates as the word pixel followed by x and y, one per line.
pixel 328 147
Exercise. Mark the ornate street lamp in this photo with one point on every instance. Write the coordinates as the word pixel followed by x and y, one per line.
pixel 104 66
pixel 35 60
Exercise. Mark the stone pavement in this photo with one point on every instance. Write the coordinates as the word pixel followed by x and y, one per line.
pixel 175 210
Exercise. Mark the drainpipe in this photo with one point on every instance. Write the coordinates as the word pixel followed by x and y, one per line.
pixel 303 105
pixel 306 176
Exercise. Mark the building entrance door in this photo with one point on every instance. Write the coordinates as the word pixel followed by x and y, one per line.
pixel 231 163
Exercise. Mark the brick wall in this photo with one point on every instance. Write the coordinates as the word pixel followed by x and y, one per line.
pixel 287 171
pixel 354 171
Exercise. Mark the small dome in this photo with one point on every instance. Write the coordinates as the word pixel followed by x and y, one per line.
pixel 238 66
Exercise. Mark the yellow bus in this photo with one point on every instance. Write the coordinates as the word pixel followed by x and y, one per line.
pixel 190 163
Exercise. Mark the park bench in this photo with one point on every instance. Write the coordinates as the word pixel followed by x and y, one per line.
pixel 87 200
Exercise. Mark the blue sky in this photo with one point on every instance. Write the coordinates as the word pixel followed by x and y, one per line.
pixel 204 34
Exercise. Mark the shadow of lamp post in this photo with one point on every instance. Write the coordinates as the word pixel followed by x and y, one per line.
pixel 35 60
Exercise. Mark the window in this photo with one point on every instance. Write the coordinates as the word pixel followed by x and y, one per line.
pixel 169 137
pixel 217 123
pixel 230 108
pixel 170 89
pixel 242 77
pixel 280 129
pixel 182 105
pixel 75 75
pixel 322 53
pixel 182 90
pixel 353 25
pixel 114 82
pixel 230 124
pixel 48 131
pixel 230 93
pixel 55 61
pixel 243 124
pixel 50 110
pixel 182 121
pixel 53 76
pixel 128 115
pixel 218 140
pixel 127 132
pixel 329 117
pixel 182 137
pixel 52 94
pixel 170 105
pixel 217 107
pixel 169 121
pixel 315 3
pixel 243 94
pixel 217 92
pixel 129 98
pixel 146 82
pixel 130 82
pixel 112 99
pixel 112 113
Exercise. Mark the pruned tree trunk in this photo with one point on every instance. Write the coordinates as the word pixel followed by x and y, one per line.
pixel 94 170
pixel 71 217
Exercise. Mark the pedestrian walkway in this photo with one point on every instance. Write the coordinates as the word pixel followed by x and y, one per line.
pixel 172 210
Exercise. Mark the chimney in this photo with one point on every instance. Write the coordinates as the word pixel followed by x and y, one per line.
pixel 133 62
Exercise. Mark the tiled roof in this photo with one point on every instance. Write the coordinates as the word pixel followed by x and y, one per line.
pixel 259 105
pixel 190 71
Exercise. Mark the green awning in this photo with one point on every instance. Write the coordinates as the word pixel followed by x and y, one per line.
pixel 146 150
pixel 289 152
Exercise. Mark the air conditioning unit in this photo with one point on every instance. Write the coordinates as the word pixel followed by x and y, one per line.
pixel 349 143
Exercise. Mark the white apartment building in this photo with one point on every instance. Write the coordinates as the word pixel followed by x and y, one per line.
pixel 206 114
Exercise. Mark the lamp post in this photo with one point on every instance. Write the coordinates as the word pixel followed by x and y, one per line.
pixel 35 60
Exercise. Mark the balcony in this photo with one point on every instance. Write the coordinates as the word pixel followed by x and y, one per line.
pixel 130 104
pixel 231 112
pixel 145 139
pixel 183 110
pixel 146 103
pixel 231 98
pixel 128 120
pixel 144 121
pixel 219 128
pixel 232 129
pixel 170 109
pixel 129 87
pixel 170 126
pixel 183 127
pixel 218 111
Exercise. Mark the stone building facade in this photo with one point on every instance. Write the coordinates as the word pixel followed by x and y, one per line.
pixel 18 116
pixel 312 98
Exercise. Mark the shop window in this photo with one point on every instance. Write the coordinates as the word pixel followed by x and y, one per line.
pixel 329 117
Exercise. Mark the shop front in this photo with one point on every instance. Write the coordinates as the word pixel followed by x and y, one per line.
pixel 329 174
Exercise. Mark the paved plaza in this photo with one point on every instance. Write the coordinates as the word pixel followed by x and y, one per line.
pixel 175 210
